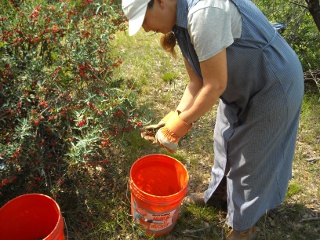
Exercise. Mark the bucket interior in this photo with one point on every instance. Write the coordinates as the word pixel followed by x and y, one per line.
pixel 159 175
pixel 30 216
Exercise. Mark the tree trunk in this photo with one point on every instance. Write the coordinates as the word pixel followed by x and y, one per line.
pixel 314 9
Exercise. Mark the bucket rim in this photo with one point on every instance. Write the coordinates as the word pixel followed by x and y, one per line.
pixel 184 189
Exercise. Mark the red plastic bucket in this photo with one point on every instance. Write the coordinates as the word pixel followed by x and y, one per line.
pixel 158 184
pixel 31 217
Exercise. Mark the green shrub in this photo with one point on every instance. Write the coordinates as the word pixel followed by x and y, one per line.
pixel 60 108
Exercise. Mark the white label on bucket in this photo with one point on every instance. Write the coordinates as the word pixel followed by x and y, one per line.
pixel 155 221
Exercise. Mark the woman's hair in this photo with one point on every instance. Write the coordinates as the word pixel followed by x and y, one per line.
pixel 150 4
pixel 167 41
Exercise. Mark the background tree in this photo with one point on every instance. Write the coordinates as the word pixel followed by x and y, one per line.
pixel 314 9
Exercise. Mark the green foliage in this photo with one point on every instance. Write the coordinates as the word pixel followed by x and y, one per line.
pixel 60 107
pixel 293 190
pixel 310 115
pixel 301 32
pixel 169 77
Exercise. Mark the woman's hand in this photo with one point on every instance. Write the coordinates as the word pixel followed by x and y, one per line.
pixel 169 135
pixel 149 131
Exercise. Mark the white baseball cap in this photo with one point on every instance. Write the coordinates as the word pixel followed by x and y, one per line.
pixel 135 10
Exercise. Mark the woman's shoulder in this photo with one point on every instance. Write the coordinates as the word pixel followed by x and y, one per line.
pixel 225 5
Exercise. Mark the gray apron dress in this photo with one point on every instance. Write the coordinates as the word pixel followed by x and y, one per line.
pixel 257 117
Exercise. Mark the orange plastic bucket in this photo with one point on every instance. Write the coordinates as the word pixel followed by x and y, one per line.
pixel 31 217
pixel 158 184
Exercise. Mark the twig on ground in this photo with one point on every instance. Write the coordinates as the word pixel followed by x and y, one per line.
pixel 310 219
pixel 312 159
pixel 191 236
pixel 187 231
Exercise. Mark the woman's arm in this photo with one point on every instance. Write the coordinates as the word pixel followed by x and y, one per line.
pixel 199 96
pixel 192 89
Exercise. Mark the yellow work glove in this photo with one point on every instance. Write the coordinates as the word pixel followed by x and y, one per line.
pixel 149 131
pixel 169 135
